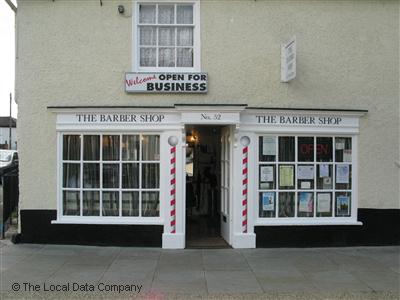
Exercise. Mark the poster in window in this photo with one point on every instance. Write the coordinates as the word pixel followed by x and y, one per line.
pixel 339 144
pixel 305 172
pixel 306 202
pixel 268 201
pixel 286 175
pixel 323 203
pixel 327 183
pixel 267 174
pixel 347 155
pixel 268 146
pixel 342 205
pixel 323 170
pixel 342 173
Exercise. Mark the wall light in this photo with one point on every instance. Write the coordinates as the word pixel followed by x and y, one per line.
pixel 121 9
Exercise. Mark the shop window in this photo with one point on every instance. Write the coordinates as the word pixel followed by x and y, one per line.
pixel 110 175
pixel 304 177
pixel 167 36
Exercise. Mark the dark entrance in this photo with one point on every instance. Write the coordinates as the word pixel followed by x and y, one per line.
pixel 203 164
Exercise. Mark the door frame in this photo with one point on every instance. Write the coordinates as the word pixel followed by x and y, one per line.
pixel 231 127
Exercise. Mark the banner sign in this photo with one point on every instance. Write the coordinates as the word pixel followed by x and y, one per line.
pixel 166 82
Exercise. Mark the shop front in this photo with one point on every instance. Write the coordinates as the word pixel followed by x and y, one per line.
pixel 201 175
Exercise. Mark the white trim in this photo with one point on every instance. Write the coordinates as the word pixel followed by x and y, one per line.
pixel 108 220
pixel 293 222
pixel 196 38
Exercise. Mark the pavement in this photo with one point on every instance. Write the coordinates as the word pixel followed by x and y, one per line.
pixel 66 271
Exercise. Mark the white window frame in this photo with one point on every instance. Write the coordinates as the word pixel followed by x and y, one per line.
pixel 196 38
pixel 288 221
pixel 65 219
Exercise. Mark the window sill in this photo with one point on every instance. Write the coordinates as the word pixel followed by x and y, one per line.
pixel 109 221
pixel 301 222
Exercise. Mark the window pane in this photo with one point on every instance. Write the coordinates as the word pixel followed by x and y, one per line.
pixel 130 176
pixel 166 57
pixel 110 147
pixel 184 57
pixel 166 36
pixel 305 204
pixel 185 36
pixel 147 14
pixel 343 177
pixel 166 14
pixel 305 176
pixel 151 147
pixel 91 175
pixel 267 177
pixel 130 204
pixel 148 57
pixel 324 177
pixel 110 203
pixel 286 204
pixel 286 148
pixel 150 204
pixel 267 205
pixel 71 175
pixel 130 147
pixel 110 176
pixel 71 147
pixel 343 204
pixel 184 14
pixel 148 36
pixel 91 203
pixel 91 147
pixel 267 148
pixel 324 149
pixel 343 149
pixel 286 177
pixel 324 204
pixel 150 176
pixel 305 148
pixel 71 203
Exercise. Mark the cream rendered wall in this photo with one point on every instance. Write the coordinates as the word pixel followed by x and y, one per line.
pixel 76 53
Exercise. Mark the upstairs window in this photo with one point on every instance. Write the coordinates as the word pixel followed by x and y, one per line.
pixel 167 37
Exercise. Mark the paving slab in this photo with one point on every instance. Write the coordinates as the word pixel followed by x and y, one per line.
pixel 179 282
pixel 224 259
pixel 78 273
pixel 336 281
pixel 284 281
pixel 232 281
pixel 180 260
pixel 379 281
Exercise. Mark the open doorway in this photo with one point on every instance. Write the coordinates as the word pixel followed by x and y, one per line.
pixel 203 187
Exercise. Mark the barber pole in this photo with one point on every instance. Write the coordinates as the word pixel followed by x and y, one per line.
pixel 244 188
pixel 173 189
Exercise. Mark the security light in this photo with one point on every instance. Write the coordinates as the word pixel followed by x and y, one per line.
pixel 121 9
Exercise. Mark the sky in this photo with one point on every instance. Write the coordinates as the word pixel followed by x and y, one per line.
pixel 7 59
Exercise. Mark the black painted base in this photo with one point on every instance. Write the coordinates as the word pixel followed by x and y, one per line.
pixel 380 227
pixel 36 227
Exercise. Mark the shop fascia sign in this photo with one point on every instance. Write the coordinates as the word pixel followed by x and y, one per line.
pixel 166 82
pixel 324 120
pixel 115 118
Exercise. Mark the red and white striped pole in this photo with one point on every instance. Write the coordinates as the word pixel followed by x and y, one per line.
pixel 173 141
pixel 245 141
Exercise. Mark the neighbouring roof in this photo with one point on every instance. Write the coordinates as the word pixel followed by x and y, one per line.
pixel 4 122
